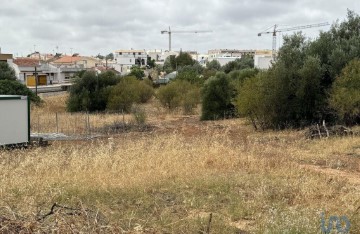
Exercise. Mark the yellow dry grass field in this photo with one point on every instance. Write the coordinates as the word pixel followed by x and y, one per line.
pixel 180 176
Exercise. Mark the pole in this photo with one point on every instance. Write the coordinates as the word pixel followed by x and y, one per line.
pixel 169 41
pixel 36 82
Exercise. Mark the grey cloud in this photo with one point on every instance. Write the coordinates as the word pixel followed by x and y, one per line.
pixel 92 27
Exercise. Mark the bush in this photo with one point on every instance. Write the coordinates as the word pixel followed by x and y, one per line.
pixel 169 96
pixel 345 94
pixel 139 115
pixel 190 100
pixel 180 93
pixel 91 91
pixel 145 91
pixel 124 95
pixel 10 86
pixel 13 87
pixel 137 72
pixel 216 98
pixel 6 72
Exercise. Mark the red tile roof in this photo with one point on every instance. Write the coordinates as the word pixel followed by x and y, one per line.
pixel 26 62
pixel 67 59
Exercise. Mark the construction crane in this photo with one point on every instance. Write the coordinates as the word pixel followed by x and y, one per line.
pixel 170 32
pixel 276 30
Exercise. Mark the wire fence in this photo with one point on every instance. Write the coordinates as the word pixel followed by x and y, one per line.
pixel 77 124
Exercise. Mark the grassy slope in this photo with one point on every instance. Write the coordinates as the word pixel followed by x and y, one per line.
pixel 171 179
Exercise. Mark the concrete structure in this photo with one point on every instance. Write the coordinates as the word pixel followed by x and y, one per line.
pixel 14 120
pixel 5 57
pixel 203 59
pixel 225 56
pixel 125 59
pixel 160 56
pixel 263 59
pixel 154 54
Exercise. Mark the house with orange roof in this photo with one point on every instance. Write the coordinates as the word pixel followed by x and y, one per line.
pixel 70 65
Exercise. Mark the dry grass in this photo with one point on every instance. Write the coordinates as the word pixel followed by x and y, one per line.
pixel 171 179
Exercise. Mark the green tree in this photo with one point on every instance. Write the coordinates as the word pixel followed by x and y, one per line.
pixel 180 93
pixel 151 62
pixel 124 95
pixel 182 60
pixel 169 96
pixel 10 86
pixel 90 92
pixel 110 56
pixel 216 98
pixel 213 65
pixel 190 73
pixel 13 87
pixel 251 100
pixel 6 72
pixel 145 90
pixel 169 64
pixel 239 64
pixel 345 94
pixel 137 72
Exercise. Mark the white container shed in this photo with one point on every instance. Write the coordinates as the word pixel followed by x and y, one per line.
pixel 14 120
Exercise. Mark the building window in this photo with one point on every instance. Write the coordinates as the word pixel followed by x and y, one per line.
pixel 120 53
pixel 139 53
pixel 130 60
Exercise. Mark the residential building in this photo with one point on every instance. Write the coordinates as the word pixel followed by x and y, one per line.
pixel 43 57
pixel 5 57
pixel 263 59
pixel 70 65
pixel 224 56
pixel 125 59
pixel 154 54
pixel 25 71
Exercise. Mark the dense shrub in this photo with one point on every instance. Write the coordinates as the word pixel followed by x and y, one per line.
pixel 180 93
pixel 13 87
pixel 213 65
pixel 216 98
pixel 6 72
pixel 169 95
pixel 124 95
pixel 90 92
pixel 145 90
pixel 239 64
pixel 345 95
pixel 10 86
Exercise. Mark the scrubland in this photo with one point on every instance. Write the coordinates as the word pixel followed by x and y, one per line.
pixel 179 176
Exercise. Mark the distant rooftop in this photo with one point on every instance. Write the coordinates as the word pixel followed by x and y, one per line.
pixel 67 59
pixel 130 51
pixel 27 62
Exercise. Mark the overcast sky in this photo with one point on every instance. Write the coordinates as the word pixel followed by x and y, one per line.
pixel 90 27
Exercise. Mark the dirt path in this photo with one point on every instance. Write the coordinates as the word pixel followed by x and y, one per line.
pixel 352 178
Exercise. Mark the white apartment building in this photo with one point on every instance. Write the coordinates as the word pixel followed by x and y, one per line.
pixel 224 56
pixel 263 59
pixel 125 59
